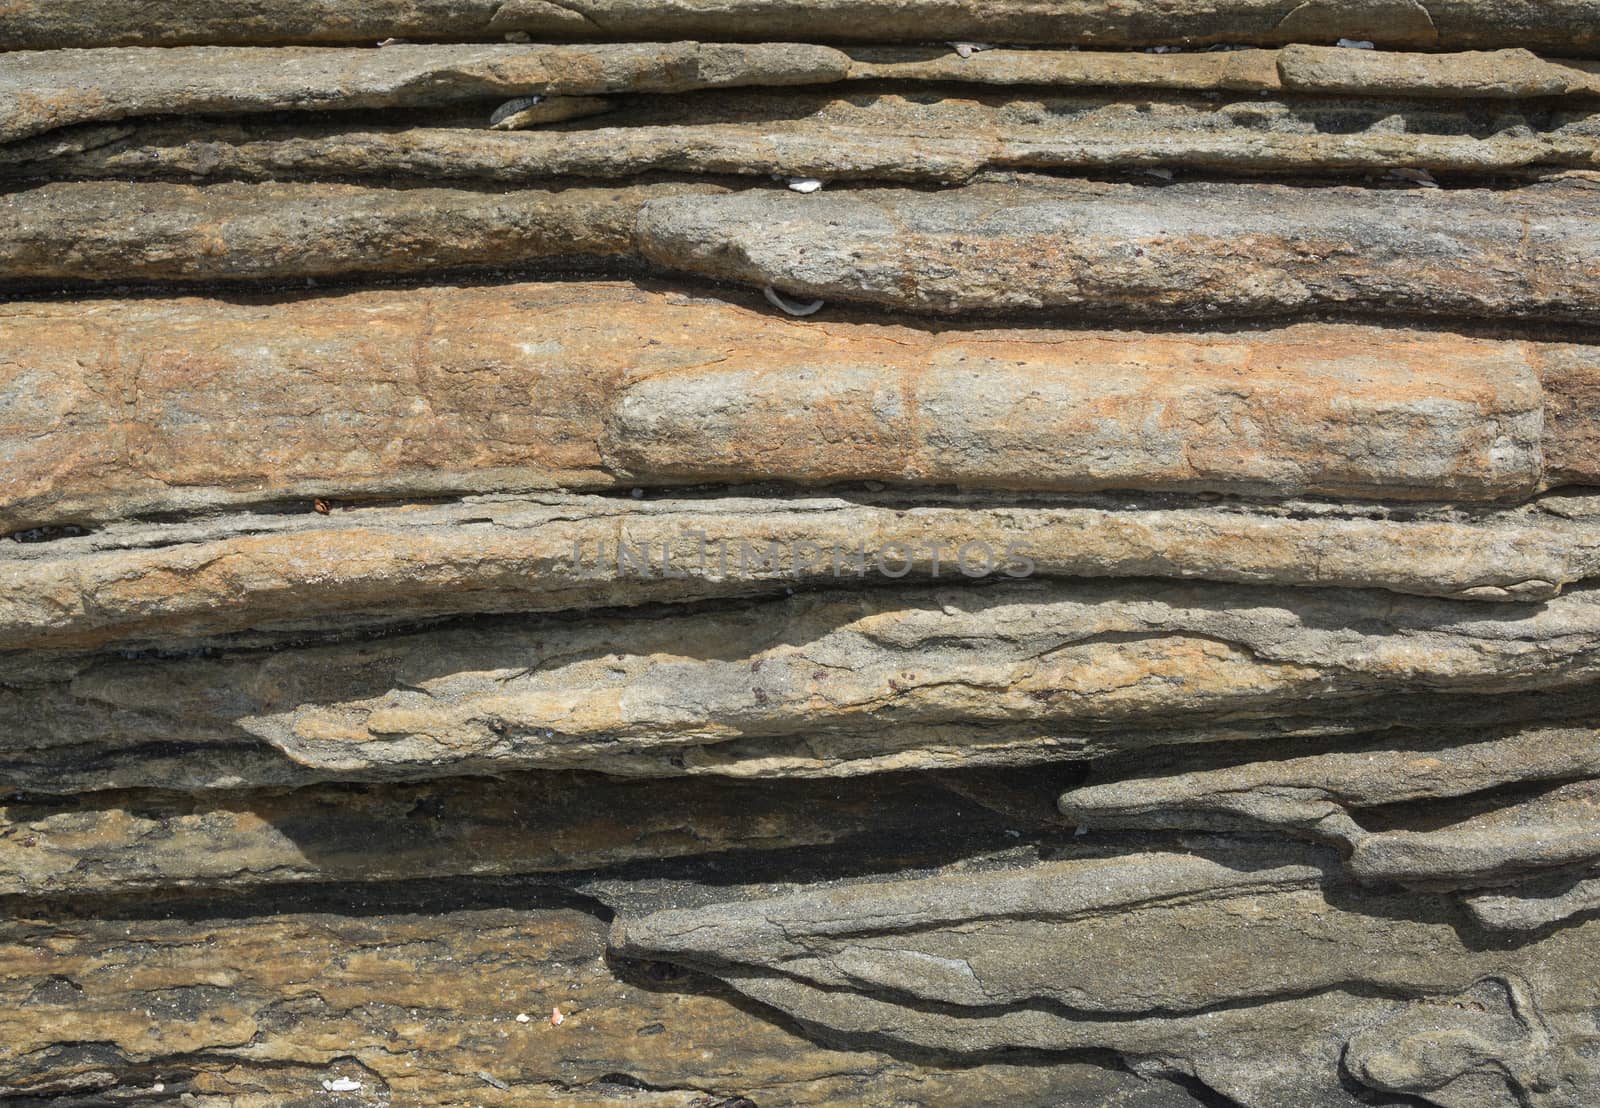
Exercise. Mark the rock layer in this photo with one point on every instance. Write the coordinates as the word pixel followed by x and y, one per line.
pixel 1561 26
pixel 681 554
pixel 374 394
pixel 872 136
pixel 1163 252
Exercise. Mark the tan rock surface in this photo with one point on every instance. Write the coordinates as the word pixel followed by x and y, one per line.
pixel 1562 26
pixel 413 394
pixel 893 134
pixel 146 584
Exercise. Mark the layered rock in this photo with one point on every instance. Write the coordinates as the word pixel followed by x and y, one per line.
pixel 723 555
pixel 454 391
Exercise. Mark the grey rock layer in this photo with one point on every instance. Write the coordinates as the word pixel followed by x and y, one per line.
pixel 49 89
pixel 1058 955
pixel 1559 26
pixel 145 584
pixel 865 136
pixel 828 684
pixel 1152 252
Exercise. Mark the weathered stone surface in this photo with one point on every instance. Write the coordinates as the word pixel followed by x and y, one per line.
pixel 830 684
pixel 870 135
pixel 1058 954
pixel 422 1009
pixel 515 825
pixel 147 584
pixel 416 393
pixel 129 230
pixel 1560 26
pixel 1535 903
pixel 1559 828
pixel 1331 796
pixel 1162 252
pixel 48 89
pixel 1503 74
pixel 875 679
pixel 1315 793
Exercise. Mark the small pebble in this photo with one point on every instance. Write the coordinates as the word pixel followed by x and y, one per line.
pixel 1356 44
pixel 804 184
pixel 523 1017
pixel 556 1018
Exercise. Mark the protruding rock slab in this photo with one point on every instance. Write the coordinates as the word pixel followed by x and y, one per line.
pixel 1559 26
pixel 120 231
pixel 49 89
pixel 1155 252
pixel 451 1001
pixel 452 391
pixel 875 135
pixel 826 684
pixel 155 584
pixel 1060 954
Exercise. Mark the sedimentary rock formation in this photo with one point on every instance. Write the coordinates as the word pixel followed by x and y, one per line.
pixel 759 553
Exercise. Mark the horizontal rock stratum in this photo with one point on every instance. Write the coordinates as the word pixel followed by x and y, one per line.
pixel 597 385
pixel 761 553
pixel 895 134
pixel 1557 25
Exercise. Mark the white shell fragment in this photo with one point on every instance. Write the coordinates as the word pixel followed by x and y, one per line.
pixel 1415 176
pixel 512 107
pixel 804 184
pixel 792 307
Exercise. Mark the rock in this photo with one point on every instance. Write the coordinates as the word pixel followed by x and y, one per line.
pixel 1501 74
pixel 1555 829
pixel 830 684
pixel 1534 902
pixel 1154 252
pixel 516 825
pixel 410 394
pixel 875 136
pixel 415 1003
pixel 1485 1046
pixel 1057 954
pixel 734 553
pixel 144 584
pixel 55 88
pixel 232 232
pixel 1315 793
pixel 1560 26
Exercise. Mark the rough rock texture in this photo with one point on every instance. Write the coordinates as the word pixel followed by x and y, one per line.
pixel 50 89
pixel 451 391
pixel 734 553
pixel 1562 26
pixel 865 136
pixel 1181 251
